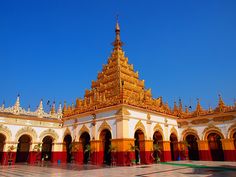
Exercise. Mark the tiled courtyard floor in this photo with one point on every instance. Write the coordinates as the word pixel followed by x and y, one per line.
pixel 172 169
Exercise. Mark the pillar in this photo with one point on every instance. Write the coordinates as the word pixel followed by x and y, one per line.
pixel 77 152
pixel 124 154
pixel 97 152
pixel 146 152
pixel 9 155
pixel 34 154
pixel 166 151
pixel 58 153
pixel 204 151
pixel 229 149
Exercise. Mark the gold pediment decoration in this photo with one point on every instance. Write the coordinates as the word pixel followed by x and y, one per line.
pixel 67 132
pixel 211 129
pixel 189 131
pixel 200 121
pixel 83 129
pixel 223 118
pixel 174 131
pixel 49 132
pixel 123 111
pixel 139 125
pixel 157 128
pixel 231 130
pixel 26 130
pixel 104 126
pixel 5 131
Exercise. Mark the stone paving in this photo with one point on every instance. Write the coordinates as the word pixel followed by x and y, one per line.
pixel 171 169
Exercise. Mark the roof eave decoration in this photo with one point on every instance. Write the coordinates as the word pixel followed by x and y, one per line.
pixel 40 113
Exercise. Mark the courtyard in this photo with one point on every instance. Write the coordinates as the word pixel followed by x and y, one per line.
pixel 175 169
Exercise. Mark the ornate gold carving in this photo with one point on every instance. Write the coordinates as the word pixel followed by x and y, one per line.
pixel 174 131
pixel 223 118
pixel 140 125
pixel 104 126
pixel 5 131
pixel 83 129
pixel 200 121
pixel 211 129
pixel 189 131
pixel 158 128
pixel 28 131
pixel 123 111
pixel 182 123
pixel 67 132
pixel 49 132
pixel 231 130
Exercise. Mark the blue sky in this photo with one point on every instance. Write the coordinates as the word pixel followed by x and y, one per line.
pixel 53 49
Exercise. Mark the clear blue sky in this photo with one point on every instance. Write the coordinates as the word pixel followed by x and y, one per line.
pixel 53 49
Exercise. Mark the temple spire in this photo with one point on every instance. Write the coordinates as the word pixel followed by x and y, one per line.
pixel 117 43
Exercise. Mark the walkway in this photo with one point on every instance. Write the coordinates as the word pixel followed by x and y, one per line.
pixel 172 169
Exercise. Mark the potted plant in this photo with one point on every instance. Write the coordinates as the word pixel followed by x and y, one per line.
pixel 184 149
pixel 10 150
pixel 156 152
pixel 133 148
pixel 112 149
pixel 37 149
pixel 87 150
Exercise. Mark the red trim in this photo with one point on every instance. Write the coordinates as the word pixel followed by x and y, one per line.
pixel 205 155
pixel 59 156
pixel 79 157
pixel 166 156
pixel 230 155
pixel 5 158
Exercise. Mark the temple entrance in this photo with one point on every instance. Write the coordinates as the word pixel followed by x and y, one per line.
pixel 174 146
pixel 47 148
pixel 157 147
pixel 193 147
pixel 105 137
pixel 215 146
pixel 23 147
pixel 2 143
pixel 68 147
pixel 85 140
pixel 139 143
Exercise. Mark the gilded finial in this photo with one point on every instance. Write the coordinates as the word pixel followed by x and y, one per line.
pixel 117 43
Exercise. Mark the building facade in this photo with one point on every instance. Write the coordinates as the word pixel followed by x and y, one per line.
pixel 117 122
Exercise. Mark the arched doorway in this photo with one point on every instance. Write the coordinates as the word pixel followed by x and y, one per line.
pixel 157 146
pixel 2 143
pixel 174 146
pixel 47 148
pixel 23 147
pixel 215 146
pixel 85 140
pixel 139 144
pixel 234 137
pixel 105 136
pixel 193 153
pixel 68 146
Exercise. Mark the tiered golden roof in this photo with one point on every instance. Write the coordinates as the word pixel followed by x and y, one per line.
pixel 117 83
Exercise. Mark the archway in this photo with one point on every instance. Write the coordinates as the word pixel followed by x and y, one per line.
pixel 68 147
pixel 105 137
pixel 174 146
pixel 139 144
pixel 23 147
pixel 157 146
pixel 85 140
pixel 2 143
pixel 193 153
pixel 215 146
pixel 47 148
